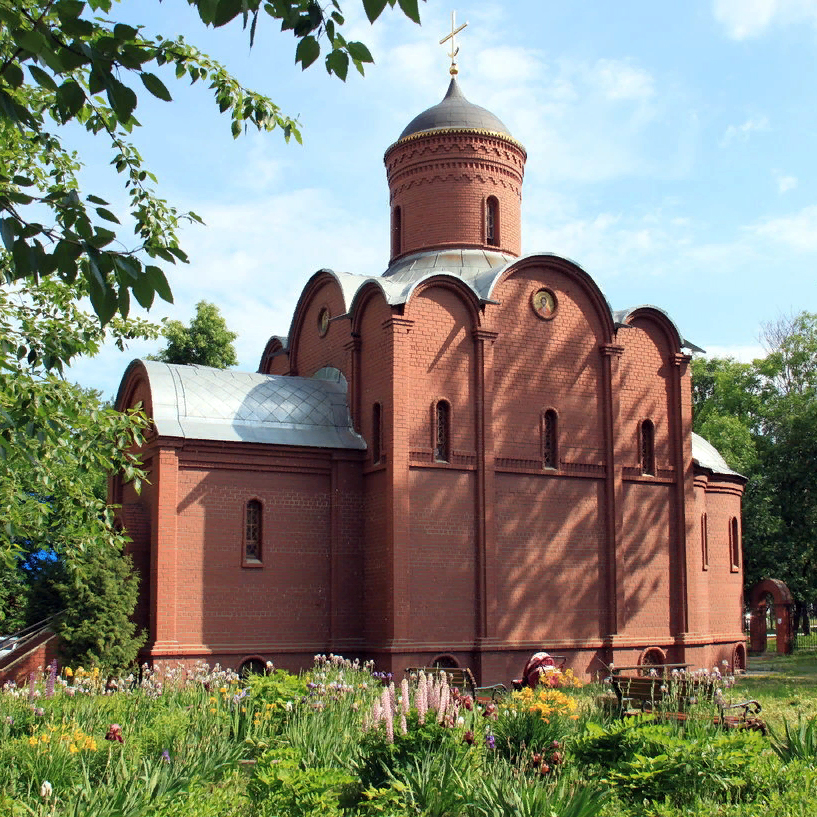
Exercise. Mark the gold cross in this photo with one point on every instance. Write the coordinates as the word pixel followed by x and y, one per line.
pixel 454 50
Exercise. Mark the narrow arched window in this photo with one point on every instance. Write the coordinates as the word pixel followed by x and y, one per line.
pixel 550 442
pixel 648 448
pixel 734 544
pixel 442 432
pixel 492 221
pixel 377 432
pixel 252 531
pixel 396 231
pixel 704 543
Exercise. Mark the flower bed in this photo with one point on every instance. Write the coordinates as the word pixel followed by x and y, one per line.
pixel 343 740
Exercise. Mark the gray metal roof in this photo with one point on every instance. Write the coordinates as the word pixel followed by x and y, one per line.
pixel 706 456
pixel 478 269
pixel 620 319
pixel 201 403
pixel 455 112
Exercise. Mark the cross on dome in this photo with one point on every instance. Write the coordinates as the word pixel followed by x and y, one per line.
pixel 453 70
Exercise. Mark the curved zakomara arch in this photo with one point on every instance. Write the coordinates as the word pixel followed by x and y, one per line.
pixel 453 284
pixel 134 378
pixel 671 335
pixel 252 663
pixel 777 589
pixel 574 272
pixel 445 660
pixel 363 298
pixel 273 348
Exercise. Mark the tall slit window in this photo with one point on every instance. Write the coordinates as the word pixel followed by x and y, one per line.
pixel 377 432
pixel 648 448
pixel 396 231
pixel 550 452
pixel 734 544
pixel 252 531
pixel 704 543
pixel 442 432
pixel 492 221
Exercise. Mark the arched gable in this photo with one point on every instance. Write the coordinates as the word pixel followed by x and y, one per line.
pixel 134 388
pixel 276 348
pixel 320 326
pixel 645 317
pixel 365 296
pixel 464 294
pixel 602 314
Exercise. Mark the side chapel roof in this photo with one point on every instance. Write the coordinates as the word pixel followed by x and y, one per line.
pixel 705 455
pixel 199 402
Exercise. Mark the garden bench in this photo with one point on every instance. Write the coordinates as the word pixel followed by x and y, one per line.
pixel 463 679
pixel 669 697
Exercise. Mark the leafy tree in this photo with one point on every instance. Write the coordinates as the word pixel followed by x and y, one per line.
pixel 207 341
pixel 64 62
pixel 763 418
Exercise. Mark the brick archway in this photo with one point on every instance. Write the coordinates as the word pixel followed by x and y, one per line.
pixel 782 600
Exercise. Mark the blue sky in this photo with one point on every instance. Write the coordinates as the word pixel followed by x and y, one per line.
pixel 671 153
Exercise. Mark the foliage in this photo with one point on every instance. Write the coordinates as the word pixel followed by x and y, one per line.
pixel 207 341
pixel 797 744
pixel 98 592
pixel 763 418
pixel 190 737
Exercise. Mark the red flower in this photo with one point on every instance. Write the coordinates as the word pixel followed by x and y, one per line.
pixel 114 733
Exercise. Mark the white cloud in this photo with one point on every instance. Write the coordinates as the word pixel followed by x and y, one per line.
pixel 743 353
pixel 619 79
pixel 785 183
pixel 797 231
pixel 741 132
pixel 744 19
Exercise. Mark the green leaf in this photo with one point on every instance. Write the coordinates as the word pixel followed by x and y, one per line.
pixel 103 300
pixel 122 99
pixel 42 78
pixel 124 32
pixel 143 291
pixel 410 9
pixel 70 98
pixel 14 75
pixel 337 62
pixel 374 8
pixel 155 86
pixel 307 52
pixel 8 231
pixel 226 10
pixel 159 282
pixel 107 215
pixel 95 199
pixel 359 52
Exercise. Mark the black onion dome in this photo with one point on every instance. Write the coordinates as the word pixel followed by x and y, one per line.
pixel 456 112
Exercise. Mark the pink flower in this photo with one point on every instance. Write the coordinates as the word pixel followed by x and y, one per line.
pixel 114 733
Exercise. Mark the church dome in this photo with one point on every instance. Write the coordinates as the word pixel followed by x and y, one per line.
pixel 455 112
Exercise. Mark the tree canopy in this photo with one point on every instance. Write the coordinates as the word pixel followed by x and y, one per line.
pixel 207 341
pixel 762 417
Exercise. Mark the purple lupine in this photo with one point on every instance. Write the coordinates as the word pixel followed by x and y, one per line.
pixel 52 679
pixel 165 756
pixel 490 741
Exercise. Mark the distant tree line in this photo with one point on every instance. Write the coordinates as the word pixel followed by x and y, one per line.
pixel 762 417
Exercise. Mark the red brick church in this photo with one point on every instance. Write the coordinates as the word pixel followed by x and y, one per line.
pixel 467 459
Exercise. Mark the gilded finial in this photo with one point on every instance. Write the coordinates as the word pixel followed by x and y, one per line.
pixel 453 70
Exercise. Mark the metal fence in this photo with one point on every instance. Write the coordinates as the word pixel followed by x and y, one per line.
pixel 806 641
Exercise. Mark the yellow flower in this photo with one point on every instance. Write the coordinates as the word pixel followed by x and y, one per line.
pixel 223 690
pixel 68 672
pixel 213 710
pixel 95 673
pixel 32 741
pixel 213 700
pixel 90 743
pixel 73 749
